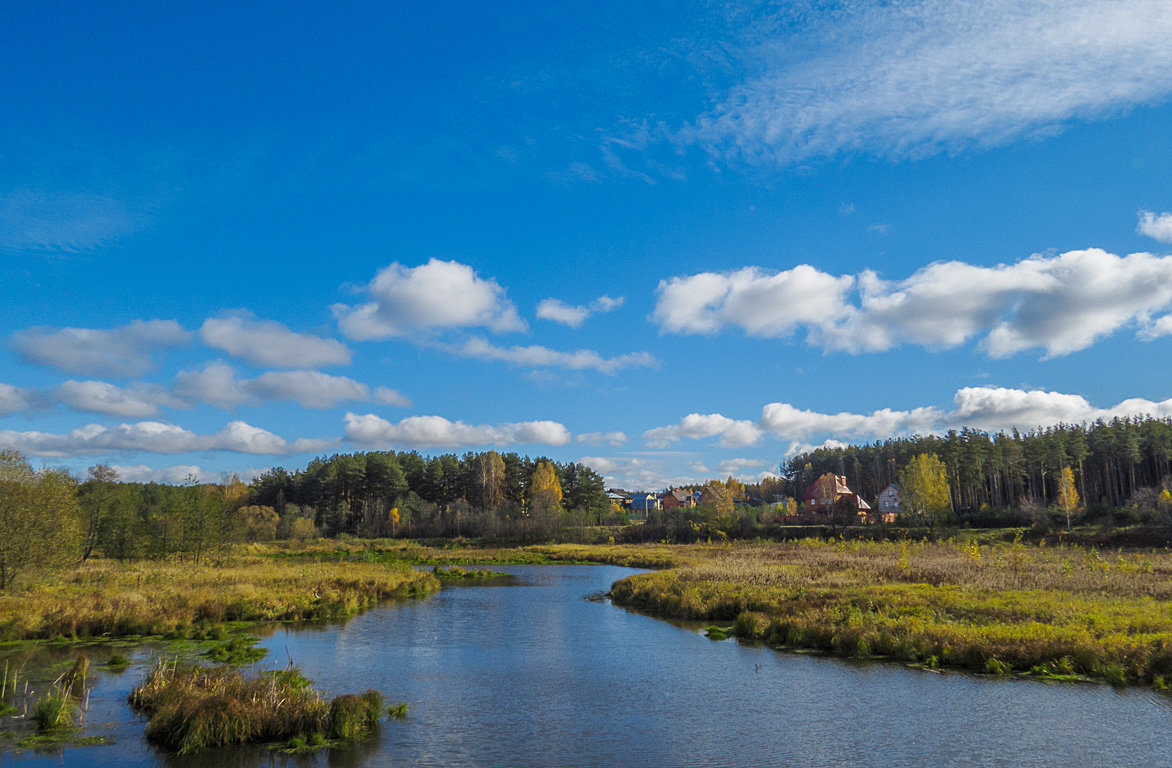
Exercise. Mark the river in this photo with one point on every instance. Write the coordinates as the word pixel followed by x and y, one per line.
pixel 536 674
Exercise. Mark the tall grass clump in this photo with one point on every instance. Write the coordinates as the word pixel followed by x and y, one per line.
pixel 354 716
pixel 192 708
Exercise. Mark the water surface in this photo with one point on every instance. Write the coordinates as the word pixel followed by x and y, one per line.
pixel 537 675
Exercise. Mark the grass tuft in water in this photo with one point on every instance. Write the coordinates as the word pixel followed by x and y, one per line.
pixel 192 708
pixel 354 716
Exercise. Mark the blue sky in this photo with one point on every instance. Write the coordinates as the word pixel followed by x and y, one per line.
pixel 673 241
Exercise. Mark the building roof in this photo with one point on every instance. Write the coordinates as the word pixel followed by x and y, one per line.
pixel 829 484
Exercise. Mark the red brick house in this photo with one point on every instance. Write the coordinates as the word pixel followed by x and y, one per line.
pixel 829 499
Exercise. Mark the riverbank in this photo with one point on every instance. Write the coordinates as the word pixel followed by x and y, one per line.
pixel 111 599
pixel 1064 612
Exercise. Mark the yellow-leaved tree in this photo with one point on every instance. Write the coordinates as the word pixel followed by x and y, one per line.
pixel 545 497
pixel 923 488
pixel 1068 500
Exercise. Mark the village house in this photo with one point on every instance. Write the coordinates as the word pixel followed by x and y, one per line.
pixel 830 500
pixel 643 503
pixel 888 504
pixel 678 498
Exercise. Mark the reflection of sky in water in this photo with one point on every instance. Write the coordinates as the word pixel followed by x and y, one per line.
pixel 535 675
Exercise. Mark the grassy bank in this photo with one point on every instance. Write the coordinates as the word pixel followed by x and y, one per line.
pixel 112 599
pixel 1048 611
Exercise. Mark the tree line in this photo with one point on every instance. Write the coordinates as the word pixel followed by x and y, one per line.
pixel 1115 464
pixel 489 494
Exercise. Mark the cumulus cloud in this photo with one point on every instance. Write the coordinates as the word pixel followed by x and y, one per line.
pixel 1059 304
pixel 154 437
pixel 269 343
pixel 102 397
pixel 535 356
pixel 916 78
pixel 992 409
pixel 433 296
pixel 1157 226
pixel 14 399
pixel 124 351
pixel 216 384
pixel 597 438
pixel 759 302
pixel 558 311
pixel 731 432
pixel 438 432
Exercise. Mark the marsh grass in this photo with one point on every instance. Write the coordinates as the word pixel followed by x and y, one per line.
pixel 109 599
pixel 1001 608
pixel 471 552
pixel 193 708
pixel 239 649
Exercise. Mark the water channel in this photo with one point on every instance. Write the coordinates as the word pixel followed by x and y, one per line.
pixel 536 674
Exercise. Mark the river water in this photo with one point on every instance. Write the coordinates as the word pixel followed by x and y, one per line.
pixel 535 674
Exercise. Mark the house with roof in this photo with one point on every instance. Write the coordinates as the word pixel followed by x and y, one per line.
pixel 643 503
pixel 888 505
pixel 830 500
pixel 678 498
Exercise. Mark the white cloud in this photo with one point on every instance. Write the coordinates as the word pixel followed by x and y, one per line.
pixel 786 420
pixel 1059 304
pixel 154 437
pixel 1161 327
pixel 102 397
pixel 992 409
pixel 543 357
pixel 759 302
pixel 124 351
pixel 312 389
pixel 732 432
pixel 435 295
pixel 639 473
pixel 392 397
pixel 216 384
pixel 438 432
pixel 1155 225
pixel 558 311
pixel 736 467
pixel 915 78
pixel 989 408
pixel 597 438
pixel 14 399
pixel 180 474
pixel 269 343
